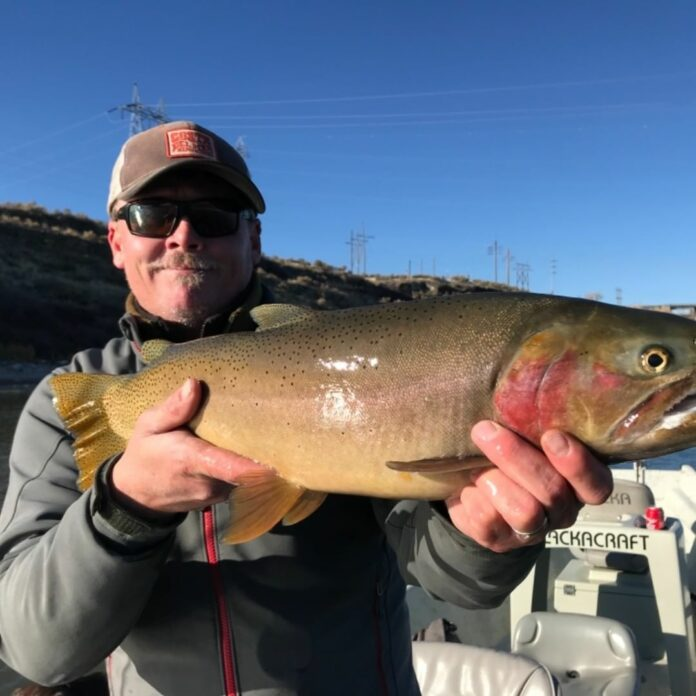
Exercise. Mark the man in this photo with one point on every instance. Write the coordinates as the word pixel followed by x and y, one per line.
pixel 131 570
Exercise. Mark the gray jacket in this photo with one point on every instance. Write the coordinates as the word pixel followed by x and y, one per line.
pixel 311 609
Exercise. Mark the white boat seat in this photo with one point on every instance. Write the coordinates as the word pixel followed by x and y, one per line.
pixel 588 655
pixel 453 669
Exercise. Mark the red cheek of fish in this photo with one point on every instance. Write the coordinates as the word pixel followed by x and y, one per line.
pixel 537 395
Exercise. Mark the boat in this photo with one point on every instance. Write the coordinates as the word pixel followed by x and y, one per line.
pixel 608 608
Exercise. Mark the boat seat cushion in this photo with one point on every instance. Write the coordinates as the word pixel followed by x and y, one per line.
pixel 586 654
pixel 453 669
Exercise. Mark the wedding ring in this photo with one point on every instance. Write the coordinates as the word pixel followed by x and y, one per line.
pixel 526 536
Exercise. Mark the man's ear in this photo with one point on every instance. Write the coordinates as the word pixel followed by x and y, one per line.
pixel 115 238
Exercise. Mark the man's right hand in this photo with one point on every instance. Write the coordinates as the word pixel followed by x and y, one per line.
pixel 167 469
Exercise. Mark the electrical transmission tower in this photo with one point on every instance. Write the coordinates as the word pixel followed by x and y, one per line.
pixel 358 251
pixel 141 116
pixel 522 270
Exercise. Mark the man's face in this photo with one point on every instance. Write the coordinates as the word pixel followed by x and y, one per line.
pixel 186 278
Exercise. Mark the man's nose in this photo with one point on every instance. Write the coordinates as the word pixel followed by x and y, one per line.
pixel 184 236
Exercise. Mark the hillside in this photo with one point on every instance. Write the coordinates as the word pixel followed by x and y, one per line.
pixel 59 291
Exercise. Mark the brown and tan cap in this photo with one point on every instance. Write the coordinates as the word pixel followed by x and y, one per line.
pixel 180 144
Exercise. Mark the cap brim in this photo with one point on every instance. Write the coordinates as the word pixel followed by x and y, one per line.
pixel 242 183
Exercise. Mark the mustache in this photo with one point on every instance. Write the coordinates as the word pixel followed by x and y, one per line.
pixel 178 260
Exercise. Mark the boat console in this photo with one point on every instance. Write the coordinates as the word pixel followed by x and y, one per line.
pixel 624 570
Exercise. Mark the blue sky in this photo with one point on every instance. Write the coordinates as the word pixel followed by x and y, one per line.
pixel 560 131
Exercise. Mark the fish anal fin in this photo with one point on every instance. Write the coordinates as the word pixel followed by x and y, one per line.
pixel 79 401
pixel 440 465
pixel 304 507
pixel 258 504
pixel 270 316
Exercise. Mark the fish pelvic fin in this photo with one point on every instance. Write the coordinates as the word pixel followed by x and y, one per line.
pixel 309 501
pixel 270 316
pixel 79 400
pixel 440 466
pixel 258 503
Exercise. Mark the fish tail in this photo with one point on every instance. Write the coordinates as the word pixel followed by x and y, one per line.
pixel 79 401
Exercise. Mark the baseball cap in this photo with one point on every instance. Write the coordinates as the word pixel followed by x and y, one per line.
pixel 178 145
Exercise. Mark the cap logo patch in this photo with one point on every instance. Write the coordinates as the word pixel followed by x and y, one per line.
pixel 190 143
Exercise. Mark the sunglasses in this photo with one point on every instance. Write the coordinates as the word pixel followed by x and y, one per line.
pixel 158 218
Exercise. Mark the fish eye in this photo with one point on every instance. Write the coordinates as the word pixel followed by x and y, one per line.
pixel 655 359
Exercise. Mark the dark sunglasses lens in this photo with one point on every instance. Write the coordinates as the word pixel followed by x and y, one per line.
pixel 152 219
pixel 211 220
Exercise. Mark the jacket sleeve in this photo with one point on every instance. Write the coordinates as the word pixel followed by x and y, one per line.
pixel 71 585
pixel 448 565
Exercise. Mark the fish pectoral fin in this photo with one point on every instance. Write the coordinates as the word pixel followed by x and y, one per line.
pixel 440 466
pixel 269 316
pixel 304 507
pixel 258 504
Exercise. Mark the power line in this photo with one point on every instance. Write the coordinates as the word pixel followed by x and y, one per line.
pixel 448 92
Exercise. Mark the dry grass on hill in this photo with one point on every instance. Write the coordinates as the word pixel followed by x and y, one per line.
pixel 59 291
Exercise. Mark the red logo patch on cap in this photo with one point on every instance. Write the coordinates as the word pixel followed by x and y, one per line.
pixel 190 143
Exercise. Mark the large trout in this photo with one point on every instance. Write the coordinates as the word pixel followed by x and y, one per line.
pixel 380 400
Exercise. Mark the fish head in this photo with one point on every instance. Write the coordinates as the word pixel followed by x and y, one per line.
pixel 621 380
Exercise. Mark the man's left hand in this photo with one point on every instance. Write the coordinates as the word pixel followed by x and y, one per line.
pixel 527 491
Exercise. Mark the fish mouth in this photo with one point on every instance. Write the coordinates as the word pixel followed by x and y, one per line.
pixel 680 411
pixel 668 408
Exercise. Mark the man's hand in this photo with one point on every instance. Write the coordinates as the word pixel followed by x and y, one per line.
pixel 526 489
pixel 166 468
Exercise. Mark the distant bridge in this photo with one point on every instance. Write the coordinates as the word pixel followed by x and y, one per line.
pixel 684 310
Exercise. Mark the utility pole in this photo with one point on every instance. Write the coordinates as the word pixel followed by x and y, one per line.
pixel 494 251
pixel 353 250
pixel 553 276
pixel 362 238
pixel 619 296
pixel 358 251
pixel 141 116
pixel 508 261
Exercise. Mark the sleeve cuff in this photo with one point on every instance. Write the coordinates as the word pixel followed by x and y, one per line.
pixel 125 527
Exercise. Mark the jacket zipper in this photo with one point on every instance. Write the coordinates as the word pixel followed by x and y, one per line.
pixel 225 630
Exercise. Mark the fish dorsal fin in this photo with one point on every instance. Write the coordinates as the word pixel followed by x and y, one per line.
pixel 154 349
pixel 269 316
pixel 258 504
pixel 440 466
